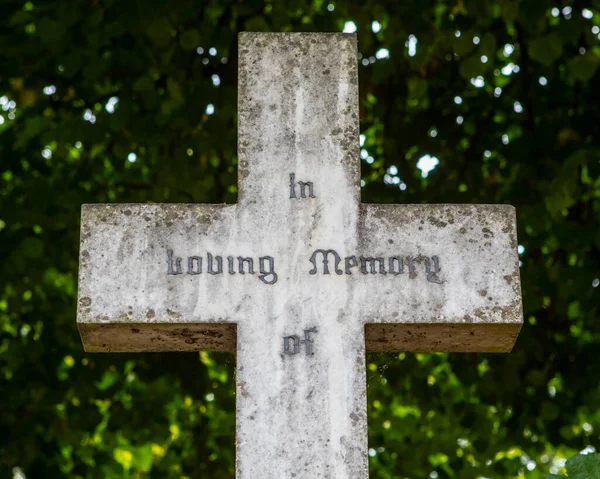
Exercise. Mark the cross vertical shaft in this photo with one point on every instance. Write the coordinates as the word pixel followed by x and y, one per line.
pixel 301 410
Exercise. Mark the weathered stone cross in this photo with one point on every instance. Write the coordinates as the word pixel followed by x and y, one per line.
pixel 299 278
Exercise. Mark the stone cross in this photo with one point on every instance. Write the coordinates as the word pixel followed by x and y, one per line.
pixel 299 278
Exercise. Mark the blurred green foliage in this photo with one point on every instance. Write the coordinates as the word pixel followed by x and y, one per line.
pixel 108 101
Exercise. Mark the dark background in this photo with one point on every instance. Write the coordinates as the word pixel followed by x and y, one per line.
pixel 107 101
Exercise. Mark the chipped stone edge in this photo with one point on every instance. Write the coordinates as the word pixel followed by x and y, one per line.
pixel 379 337
pixel 441 338
pixel 158 337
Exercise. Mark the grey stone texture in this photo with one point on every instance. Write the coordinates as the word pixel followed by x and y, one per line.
pixel 409 277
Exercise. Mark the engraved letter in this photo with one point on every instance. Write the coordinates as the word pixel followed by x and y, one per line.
pixel 267 272
pixel 303 185
pixel 291 345
pixel 325 253
pixel 292 185
pixel 170 263
pixel 400 262
pixel 241 262
pixel 198 261
pixel 363 265
pixel 432 276
pixel 411 267
pixel 350 263
pixel 209 265
pixel 308 342
pixel 230 262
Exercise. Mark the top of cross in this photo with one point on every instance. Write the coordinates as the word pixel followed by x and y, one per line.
pixel 307 124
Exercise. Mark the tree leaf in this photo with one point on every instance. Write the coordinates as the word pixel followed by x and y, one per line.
pixel 584 466
pixel 190 40
pixel 583 67
pixel 510 11
pixel 463 45
pixel 142 457
pixel 471 67
pixel 547 49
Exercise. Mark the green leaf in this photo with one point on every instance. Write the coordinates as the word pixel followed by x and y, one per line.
pixel 174 89
pixel 143 84
pixel 50 31
pixel 510 11
pixel 471 67
pixel 142 457
pixel 123 457
pixel 159 31
pixel 463 45
pixel 189 40
pixel 583 67
pixel 483 10
pixel 108 379
pixel 547 49
pixel 584 466
pixel 33 126
pixel 32 247
pixel 488 44
pixel 549 410
pixel 532 16
pixel 417 88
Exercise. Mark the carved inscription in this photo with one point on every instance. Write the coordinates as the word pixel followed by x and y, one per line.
pixel 327 261
pixel 304 185
pixel 375 264
pixel 214 266
pixel 291 344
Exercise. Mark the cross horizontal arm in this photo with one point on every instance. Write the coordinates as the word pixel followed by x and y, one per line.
pixel 449 277
pixel 179 277
pixel 142 278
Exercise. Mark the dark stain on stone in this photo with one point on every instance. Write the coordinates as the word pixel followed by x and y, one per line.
pixel 436 222
pixel 212 334
pixel 85 301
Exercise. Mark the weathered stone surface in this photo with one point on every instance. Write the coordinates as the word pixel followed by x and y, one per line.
pixel 299 333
